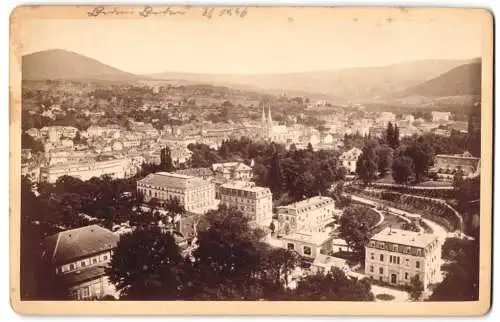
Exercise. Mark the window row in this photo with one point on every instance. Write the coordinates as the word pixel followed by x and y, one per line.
pixel 394 260
pixel 395 248
pixel 83 263
pixel 381 272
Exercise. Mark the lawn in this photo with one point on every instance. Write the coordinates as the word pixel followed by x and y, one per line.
pixel 390 220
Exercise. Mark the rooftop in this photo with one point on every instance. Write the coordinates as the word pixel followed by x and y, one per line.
pixel 403 237
pixel 244 185
pixel 325 260
pixel 316 201
pixel 69 245
pixel 196 172
pixel 160 179
pixel 316 238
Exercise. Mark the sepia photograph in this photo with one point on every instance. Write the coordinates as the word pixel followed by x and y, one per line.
pixel 257 160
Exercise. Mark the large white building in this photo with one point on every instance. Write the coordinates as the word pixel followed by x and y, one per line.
pixel 116 168
pixel 395 256
pixel 196 194
pixel 254 201
pixel 310 215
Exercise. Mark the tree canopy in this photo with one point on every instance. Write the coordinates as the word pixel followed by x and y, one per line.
pixel 356 225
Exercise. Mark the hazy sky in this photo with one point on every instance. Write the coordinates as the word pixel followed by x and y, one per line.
pixel 244 46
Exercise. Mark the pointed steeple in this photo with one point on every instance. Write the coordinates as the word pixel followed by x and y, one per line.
pixel 263 115
pixel 269 118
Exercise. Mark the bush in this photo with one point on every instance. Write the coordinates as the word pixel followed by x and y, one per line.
pixel 385 297
pixel 420 191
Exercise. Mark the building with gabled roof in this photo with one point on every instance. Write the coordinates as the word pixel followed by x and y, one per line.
pixel 233 171
pixel 80 257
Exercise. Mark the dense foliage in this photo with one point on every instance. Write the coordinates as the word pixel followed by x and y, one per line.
pixel 462 280
pixel 230 262
pixel 356 225
pixel 292 175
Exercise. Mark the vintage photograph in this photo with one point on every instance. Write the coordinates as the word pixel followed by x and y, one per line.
pixel 251 154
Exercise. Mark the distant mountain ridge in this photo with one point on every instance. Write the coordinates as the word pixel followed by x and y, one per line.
pixel 462 80
pixel 348 84
pixel 418 78
pixel 58 64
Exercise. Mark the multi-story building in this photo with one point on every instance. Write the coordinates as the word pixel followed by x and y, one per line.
pixel 310 215
pixel 233 171
pixel 395 256
pixel 80 257
pixel 255 202
pixel 116 168
pixel 446 165
pixel 349 159
pixel 197 195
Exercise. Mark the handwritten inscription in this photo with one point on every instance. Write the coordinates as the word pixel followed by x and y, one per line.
pixel 149 11
pixel 220 12
pixel 102 11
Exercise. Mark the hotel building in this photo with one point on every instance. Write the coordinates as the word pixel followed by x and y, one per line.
pixel 255 202
pixel 310 215
pixel 196 194
pixel 116 168
pixel 395 256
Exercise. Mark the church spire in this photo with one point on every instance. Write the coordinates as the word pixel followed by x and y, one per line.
pixel 263 114
pixel 269 118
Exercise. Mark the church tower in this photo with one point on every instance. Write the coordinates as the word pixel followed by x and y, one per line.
pixel 269 118
pixel 267 123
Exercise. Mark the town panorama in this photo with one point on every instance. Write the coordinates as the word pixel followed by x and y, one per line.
pixel 154 188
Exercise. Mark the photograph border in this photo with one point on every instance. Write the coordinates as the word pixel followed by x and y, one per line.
pixel 22 14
